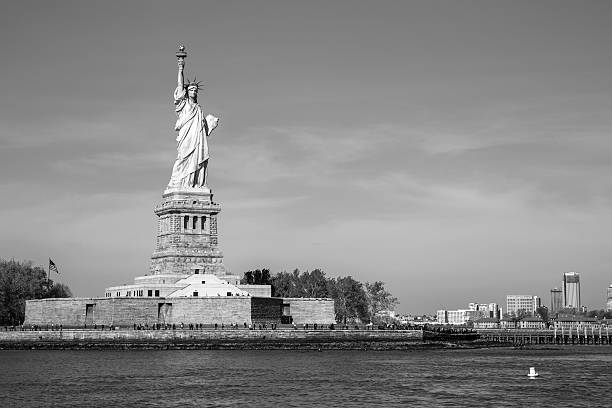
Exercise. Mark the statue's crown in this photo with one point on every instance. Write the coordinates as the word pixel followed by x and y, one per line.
pixel 194 84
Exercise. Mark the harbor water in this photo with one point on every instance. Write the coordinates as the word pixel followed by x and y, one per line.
pixel 574 376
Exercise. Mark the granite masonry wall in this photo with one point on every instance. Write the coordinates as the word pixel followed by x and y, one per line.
pixel 308 310
pixel 78 312
pixel 210 310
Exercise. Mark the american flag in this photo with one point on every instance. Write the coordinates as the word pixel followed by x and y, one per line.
pixel 52 266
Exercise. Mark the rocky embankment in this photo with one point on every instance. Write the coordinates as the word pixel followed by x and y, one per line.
pixel 219 339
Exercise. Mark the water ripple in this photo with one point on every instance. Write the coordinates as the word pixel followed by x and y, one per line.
pixel 573 376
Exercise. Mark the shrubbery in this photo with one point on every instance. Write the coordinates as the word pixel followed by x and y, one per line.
pixel 20 281
pixel 354 301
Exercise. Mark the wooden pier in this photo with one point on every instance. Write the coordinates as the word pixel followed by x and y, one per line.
pixel 599 336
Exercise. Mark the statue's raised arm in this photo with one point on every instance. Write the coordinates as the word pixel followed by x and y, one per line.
pixel 180 56
pixel 191 166
pixel 181 79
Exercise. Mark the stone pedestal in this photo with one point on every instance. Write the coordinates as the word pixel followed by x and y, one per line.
pixel 187 241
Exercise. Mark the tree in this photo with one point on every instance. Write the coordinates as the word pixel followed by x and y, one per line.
pixel 265 276
pixel 301 284
pixel 284 285
pixel 256 277
pixel 20 281
pixel 599 314
pixel 379 298
pixel 568 311
pixel 314 284
pixel 517 316
pixel 542 311
pixel 59 290
pixel 247 278
pixel 351 301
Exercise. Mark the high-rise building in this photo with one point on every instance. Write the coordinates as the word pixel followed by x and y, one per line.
pixel 556 300
pixel 526 303
pixel 609 303
pixel 571 290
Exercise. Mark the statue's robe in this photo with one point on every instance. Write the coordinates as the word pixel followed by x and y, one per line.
pixel 192 146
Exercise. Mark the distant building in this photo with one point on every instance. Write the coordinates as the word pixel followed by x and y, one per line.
pixel 579 323
pixel 386 314
pixel 487 309
pixel 609 303
pixel 419 320
pixel 571 290
pixel 531 323
pixel 486 323
pixel 556 300
pixel 474 312
pixel 442 317
pixel 527 303
pixel 507 323
pixel 462 316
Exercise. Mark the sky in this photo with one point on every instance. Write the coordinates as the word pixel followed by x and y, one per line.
pixel 459 151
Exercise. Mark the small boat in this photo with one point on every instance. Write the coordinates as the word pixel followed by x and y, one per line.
pixel 532 373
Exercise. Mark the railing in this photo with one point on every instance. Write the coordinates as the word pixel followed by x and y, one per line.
pixel 179 205
pixel 547 336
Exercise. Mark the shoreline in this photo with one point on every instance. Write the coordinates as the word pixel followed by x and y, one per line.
pixel 243 339
pixel 228 339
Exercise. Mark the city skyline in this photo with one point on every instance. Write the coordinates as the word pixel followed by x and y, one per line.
pixel 567 297
pixel 454 150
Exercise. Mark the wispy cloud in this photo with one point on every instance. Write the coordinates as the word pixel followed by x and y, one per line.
pixel 402 167
pixel 104 161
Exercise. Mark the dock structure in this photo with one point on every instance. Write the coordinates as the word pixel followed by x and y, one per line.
pixel 595 336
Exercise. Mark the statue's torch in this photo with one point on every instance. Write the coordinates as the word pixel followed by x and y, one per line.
pixel 181 54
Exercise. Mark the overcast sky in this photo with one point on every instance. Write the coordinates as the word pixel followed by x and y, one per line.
pixel 457 150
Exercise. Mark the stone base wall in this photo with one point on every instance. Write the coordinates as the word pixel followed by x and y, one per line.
pixel 223 310
pixel 307 310
pixel 78 312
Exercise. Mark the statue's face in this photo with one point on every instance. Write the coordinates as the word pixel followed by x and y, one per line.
pixel 192 92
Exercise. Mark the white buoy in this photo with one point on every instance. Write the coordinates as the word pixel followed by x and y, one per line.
pixel 532 373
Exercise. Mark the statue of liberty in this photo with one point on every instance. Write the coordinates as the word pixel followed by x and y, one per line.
pixel 191 166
